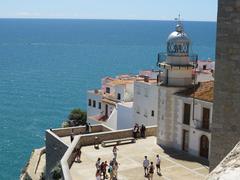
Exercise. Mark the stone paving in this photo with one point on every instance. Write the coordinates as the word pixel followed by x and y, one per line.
pixel 174 165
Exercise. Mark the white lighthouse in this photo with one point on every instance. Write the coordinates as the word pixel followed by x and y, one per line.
pixel 176 76
pixel 177 70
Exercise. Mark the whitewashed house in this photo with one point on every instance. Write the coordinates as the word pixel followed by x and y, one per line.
pixel 145 101
pixel 112 105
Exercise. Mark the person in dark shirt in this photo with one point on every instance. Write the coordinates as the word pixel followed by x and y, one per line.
pixel 142 131
pixel 87 128
pixel 72 136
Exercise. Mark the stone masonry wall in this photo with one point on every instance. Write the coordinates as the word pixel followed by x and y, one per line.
pixel 226 115
pixel 55 150
pixel 229 168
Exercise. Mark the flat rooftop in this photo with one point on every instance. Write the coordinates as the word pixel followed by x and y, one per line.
pixel 174 165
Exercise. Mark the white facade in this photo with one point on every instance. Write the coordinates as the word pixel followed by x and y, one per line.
pixel 195 127
pixel 94 95
pixel 145 103
pixel 112 105
pixel 120 117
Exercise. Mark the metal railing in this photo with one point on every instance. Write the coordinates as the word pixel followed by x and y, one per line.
pixel 198 124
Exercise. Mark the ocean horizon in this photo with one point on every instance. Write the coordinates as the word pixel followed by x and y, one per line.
pixel 47 66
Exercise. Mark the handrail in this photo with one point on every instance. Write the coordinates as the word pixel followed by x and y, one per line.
pixel 198 124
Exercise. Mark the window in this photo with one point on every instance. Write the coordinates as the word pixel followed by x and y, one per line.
pixel 205 119
pixel 108 90
pixel 94 103
pixel 99 105
pixel 186 114
pixel 89 102
pixel 119 96
pixel 152 114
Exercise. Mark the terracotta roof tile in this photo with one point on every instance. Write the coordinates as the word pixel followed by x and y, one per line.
pixel 202 91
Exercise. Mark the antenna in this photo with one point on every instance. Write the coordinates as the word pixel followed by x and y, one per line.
pixel 179 26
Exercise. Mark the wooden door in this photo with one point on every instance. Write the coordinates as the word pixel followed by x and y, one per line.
pixel 204 146
pixel 185 140
pixel 106 110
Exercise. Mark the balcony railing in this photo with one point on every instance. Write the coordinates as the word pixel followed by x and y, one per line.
pixel 111 97
pixel 201 125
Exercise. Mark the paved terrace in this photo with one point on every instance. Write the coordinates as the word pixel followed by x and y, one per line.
pixel 175 165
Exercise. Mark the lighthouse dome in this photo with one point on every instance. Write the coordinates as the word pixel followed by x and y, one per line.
pixel 178 42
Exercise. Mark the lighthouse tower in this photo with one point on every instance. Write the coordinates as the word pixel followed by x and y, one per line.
pixel 177 70
pixel 176 76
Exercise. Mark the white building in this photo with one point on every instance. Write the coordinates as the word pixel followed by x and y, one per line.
pixel 145 102
pixel 193 119
pixel 112 105
pixel 205 70
pixel 184 109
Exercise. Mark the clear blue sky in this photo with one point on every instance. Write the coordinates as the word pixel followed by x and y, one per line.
pixel 203 10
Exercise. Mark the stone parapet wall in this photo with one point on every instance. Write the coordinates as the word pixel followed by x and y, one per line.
pixel 61 132
pixel 89 139
pixel 55 149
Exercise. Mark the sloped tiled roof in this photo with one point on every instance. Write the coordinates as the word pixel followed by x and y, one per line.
pixel 202 91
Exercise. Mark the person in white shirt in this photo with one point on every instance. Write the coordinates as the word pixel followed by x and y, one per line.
pixel 115 149
pixel 158 163
pixel 145 165
pixel 98 163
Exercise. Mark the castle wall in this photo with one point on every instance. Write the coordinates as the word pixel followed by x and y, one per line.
pixel 226 117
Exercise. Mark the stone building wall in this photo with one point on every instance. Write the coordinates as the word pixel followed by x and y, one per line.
pixel 229 168
pixel 226 116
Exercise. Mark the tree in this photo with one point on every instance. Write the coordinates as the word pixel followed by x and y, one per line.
pixel 77 117
pixel 57 172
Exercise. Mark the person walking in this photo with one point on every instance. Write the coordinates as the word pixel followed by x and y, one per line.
pixel 86 128
pixel 158 163
pixel 115 149
pixel 72 136
pixel 98 175
pixel 145 165
pixel 78 155
pixel 142 131
pixel 110 171
pixel 89 128
pixel 104 169
pixel 115 170
pixel 135 131
pixel 151 171
pixel 98 163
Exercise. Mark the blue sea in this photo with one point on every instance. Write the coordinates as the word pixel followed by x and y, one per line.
pixel 46 67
